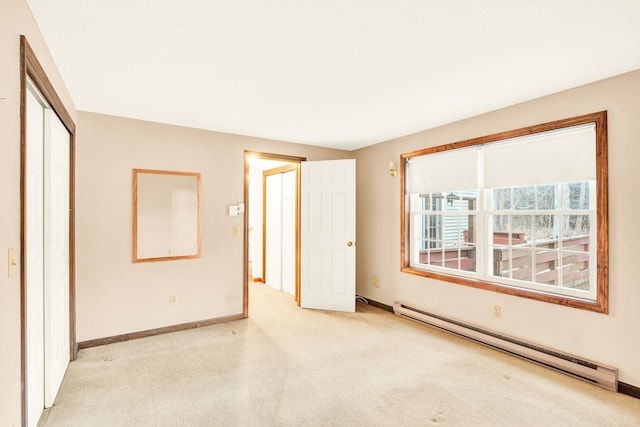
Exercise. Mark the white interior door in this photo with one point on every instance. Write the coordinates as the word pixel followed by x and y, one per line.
pixel 34 257
pixel 289 232
pixel 327 235
pixel 47 255
pixel 273 230
pixel 56 251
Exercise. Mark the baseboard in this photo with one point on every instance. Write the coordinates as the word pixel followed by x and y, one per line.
pixel 157 331
pixel 258 279
pixel 629 390
pixel 380 305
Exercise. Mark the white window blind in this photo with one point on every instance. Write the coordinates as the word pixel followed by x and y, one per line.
pixel 567 155
pixel 454 170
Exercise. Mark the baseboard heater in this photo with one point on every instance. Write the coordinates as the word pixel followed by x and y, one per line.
pixel 586 370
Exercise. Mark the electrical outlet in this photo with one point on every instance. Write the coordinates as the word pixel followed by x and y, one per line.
pixel 376 281
pixel 497 311
pixel 173 299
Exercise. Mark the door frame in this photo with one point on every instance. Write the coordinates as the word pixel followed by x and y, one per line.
pixel 30 68
pixel 248 155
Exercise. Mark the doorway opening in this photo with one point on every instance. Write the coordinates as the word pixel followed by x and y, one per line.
pixel 272 224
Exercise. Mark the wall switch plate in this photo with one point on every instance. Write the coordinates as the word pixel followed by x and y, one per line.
pixel 497 311
pixel 11 261
pixel 173 299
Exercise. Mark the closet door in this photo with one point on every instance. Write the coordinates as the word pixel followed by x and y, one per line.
pixel 34 257
pixel 56 251
pixel 47 257
pixel 273 230
pixel 289 232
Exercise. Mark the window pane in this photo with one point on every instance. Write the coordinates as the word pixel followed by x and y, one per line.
pixel 501 199
pixel 437 201
pixel 502 231
pixel 468 258
pixel 433 202
pixel 469 200
pixel 451 201
pixel 547 263
pixel 522 227
pixel 524 198
pixel 576 243
pixel 432 256
pixel 426 231
pixel 501 263
pixel 501 223
pixel 547 197
pixel 513 262
pixel 424 202
pixel 576 195
pixel 575 225
pixel 576 271
pixel 546 227
pixel 522 264
pixel 469 233
pixel 452 228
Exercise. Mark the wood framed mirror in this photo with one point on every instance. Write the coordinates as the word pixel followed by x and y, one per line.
pixel 166 215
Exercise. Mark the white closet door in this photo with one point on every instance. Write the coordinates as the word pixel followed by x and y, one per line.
pixel 34 259
pixel 56 260
pixel 273 230
pixel 289 232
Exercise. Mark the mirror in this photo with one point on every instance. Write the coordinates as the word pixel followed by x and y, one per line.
pixel 166 215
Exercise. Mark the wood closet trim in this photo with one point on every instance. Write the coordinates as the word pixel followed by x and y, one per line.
pixel 30 68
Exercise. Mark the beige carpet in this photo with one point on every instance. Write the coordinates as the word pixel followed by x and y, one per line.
pixel 291 367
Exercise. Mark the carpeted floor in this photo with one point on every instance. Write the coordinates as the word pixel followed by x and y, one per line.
pixel 285 366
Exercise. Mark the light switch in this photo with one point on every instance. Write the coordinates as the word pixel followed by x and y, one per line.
pixel 11 262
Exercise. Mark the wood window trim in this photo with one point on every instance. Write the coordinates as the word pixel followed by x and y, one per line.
pixel 601 304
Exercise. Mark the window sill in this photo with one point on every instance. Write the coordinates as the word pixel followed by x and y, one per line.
pixel 598 306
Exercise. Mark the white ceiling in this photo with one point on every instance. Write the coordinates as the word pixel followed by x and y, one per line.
pixel 334 73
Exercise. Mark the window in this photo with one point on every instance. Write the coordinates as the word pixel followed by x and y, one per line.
pixel 521 212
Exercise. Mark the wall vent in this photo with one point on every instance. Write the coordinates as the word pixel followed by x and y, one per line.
pixel 587 370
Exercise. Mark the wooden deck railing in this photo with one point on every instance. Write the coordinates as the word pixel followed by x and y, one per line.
pixel 574 267
pixel 518 263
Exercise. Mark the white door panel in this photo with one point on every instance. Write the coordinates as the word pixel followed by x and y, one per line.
pixel 327 264
pixel 34 259
pixel 273 231
pixel 47 258
pixel 56 236
pixel 289 232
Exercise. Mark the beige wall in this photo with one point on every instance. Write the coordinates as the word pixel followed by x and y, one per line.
pixel 115 296
pixel 609 339
pixel 15 19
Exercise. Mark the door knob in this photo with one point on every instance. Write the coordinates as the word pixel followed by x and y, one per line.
pixel 349 244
